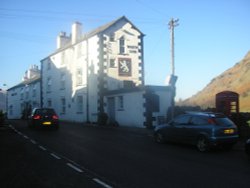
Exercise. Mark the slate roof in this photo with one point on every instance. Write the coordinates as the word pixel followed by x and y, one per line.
pixel 95 32
pixel 26 82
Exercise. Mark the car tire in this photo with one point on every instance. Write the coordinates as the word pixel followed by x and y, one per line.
pixel 202 144
pixel 159 138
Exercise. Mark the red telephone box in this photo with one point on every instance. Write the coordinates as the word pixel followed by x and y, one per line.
pixel 227 102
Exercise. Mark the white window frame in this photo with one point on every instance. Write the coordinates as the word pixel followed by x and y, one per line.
pixel 79 103
pixel 63 81
pixel 63 105
pixel 122 45
pixel 120 103
pixel 49 83
pixel 79 77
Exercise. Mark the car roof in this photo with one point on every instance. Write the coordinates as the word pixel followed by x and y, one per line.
pixel 43 109
pixel 208 114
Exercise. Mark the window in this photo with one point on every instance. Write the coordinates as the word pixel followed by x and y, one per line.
pixel 63 106
pixel 79 77
pixel 112 38
pixel 11 110
pixel 122 45
pixel 34 91
pixel 49 83
pixel 49 103
pixel 199 121
pixel 49 65
pixel 120 103
pixel 62 82
pixel 21 97
pixel 27 92
pixel 79 101
pixel 112 63
pixel 182 120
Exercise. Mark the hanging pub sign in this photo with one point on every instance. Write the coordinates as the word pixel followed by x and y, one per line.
pixel 125 67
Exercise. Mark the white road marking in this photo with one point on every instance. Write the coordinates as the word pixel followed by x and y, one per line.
pixel 55 156
pixel 25 136
pixel 33 141
pixel 101 183
pixel 43 148
pixel 19 133
pixel 74 167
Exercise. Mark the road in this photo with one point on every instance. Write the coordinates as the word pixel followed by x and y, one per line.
pixel 91 156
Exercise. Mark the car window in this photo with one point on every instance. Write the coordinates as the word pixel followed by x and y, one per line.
pixel 182 120
pixel 223 121
pixel 37 111
pixel 44 111
pixel 196 120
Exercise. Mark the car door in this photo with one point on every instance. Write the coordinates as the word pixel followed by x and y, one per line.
pixel 180 125
pixel 198 125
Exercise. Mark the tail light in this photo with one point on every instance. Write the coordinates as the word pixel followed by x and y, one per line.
pixel 37 117
pixel 55 117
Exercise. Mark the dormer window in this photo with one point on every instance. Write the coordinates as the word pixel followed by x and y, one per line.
pixel 122 45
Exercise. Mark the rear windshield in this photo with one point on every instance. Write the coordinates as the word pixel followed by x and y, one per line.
pixel 45 112
pixel 223 121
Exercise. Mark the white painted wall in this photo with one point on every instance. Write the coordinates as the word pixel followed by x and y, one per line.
pixel 18 97
pixel 133 47
pixel 85 55
pixel 132 112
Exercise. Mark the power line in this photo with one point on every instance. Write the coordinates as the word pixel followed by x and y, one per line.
pixel 50 15
pixel 150 8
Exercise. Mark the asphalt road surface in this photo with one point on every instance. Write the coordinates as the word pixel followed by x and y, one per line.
pixel 91 156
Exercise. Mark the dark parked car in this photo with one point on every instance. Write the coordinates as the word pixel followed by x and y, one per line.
pixel 43 117
pixel 247 147
pixel 205 130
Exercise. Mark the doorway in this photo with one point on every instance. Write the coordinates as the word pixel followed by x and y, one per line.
pixel 111 108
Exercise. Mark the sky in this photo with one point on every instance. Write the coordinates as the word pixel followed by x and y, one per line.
pixel 212 35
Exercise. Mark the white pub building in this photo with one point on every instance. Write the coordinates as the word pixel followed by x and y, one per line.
pixel 102 72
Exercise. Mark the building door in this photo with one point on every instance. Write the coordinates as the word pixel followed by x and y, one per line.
pixel 111 108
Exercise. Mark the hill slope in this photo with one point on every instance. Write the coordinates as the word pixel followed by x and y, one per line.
pixel 235 79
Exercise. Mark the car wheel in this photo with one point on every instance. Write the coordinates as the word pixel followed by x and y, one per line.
pixel 159 138
pixel 202 144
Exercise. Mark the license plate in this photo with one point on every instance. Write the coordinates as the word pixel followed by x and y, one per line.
pixel 47 123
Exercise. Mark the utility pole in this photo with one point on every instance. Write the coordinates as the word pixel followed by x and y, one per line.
pixel 172 24
pixel 172 80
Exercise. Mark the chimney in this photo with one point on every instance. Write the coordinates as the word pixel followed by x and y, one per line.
pixel 76 32
pixel 62 40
